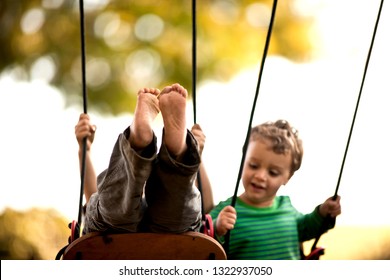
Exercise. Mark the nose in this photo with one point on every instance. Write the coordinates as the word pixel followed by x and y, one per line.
pixel 261 175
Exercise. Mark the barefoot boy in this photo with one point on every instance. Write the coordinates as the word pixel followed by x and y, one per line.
pixel 144 189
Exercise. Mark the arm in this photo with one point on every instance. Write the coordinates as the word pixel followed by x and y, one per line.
pixel 207 193
pixel 85 129
pixel 320 220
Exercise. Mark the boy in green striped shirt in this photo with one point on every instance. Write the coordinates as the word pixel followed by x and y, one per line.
pixel 263 225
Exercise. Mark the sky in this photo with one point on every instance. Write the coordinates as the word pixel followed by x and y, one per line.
pixel 38 149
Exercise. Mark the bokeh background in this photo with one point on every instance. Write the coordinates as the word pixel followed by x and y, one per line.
pixel 312 77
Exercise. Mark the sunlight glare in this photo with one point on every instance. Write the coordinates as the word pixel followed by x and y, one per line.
pixel 32 21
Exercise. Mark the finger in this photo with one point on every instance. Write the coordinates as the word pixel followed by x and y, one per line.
pixel 229 220
pixel 227 224
pixel 83 135
pixel 230 226
pixel 85 130
pixel 336 212
pixel 82 128
pixel 195 132
pixel 83 122
pixel 83 117
pixel 230 209
pixel 196 126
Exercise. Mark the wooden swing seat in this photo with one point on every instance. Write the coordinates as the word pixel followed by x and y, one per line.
pixel 144 246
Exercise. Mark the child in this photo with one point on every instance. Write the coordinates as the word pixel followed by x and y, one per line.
pixel 263 225
pixel 142 190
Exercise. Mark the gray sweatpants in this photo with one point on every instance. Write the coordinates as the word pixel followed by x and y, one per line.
pixel 146 191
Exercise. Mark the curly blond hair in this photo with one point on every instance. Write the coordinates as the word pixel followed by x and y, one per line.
pixel 283 138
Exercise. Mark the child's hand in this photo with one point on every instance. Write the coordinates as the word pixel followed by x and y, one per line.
pixel 330 207
pixel 226 220
pixel 85 129
pixel 199 136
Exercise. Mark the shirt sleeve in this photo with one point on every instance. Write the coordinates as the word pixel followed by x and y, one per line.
pixel 313 224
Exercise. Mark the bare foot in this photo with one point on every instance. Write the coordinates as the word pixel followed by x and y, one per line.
pixel 145 112
pixel 173 104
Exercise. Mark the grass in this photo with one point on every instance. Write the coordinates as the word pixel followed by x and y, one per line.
pixel 355 243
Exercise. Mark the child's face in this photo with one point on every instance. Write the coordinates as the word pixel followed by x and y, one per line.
pixel 263 173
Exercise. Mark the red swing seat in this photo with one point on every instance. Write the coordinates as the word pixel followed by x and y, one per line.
pixel 315 253
pixel 143 246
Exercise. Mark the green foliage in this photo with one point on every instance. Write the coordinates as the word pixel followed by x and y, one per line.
pixel 134 44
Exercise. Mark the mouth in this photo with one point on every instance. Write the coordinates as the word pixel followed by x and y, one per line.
pixel 258 187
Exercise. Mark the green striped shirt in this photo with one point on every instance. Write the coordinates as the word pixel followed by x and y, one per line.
pixel 271 233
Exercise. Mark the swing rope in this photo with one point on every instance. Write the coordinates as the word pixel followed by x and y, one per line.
pixel 329 220
pixel 266 47
pixel 84 89
pixel 194 58
pixel 76 226
pixel 360 93
pixel 194 82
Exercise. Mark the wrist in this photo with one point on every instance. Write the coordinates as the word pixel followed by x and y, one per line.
pixel 81 151
pixel 320 211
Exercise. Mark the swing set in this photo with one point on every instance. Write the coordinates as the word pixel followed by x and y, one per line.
pixel 190 245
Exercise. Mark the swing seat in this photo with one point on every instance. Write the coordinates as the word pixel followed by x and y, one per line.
pixel 144 246
pixel 315 254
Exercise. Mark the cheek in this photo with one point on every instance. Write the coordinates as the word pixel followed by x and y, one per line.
pixel 286 179
pixel 273 189
pixel 245 178
pixel 276 184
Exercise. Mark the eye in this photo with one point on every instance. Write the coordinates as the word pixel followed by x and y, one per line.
pixel 253 165
pixel 274 173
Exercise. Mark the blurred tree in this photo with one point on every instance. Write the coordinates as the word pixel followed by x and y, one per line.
pixel 32 235
pixel 132 44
